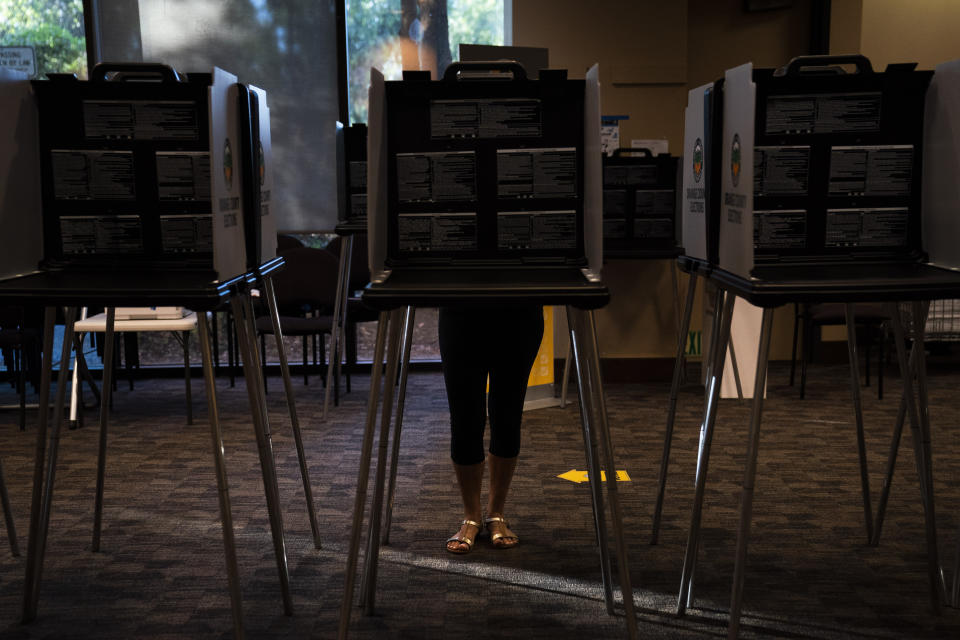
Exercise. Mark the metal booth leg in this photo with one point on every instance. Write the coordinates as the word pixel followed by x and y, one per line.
pixel 246 337
pixel 894 449
pixel 565 381
pixel 405 346
pixel 679 365
pixel 937 582
pixel 270 294
pixel 858 416
pixel 897 433
pixel 104 420
pixel 185 341
pixel 220 468
pixel 920 431
pixel 736 371
pixel 29 607
pixel 339 304
pixel 750 474
pixel 588 338
pixel 342 344
pixel 368 586
pixel 677 314
pixel 585 386
pixel 8 516
pixel 723 316
pixel 363 475
pixel 231 348
pixel 43 487
pixel 76 385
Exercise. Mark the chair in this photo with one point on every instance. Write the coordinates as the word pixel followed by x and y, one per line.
pixel 871 320
pixel 180 328
pixel 305 289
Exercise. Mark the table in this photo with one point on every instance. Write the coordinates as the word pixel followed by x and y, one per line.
pixel 391 294
pixel 848 283
pixel 180 327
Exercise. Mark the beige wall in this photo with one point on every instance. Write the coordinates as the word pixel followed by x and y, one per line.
pixel 845 19
pixel 650 53
pixel 922 31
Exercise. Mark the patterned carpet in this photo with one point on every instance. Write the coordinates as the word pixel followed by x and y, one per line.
pixel 161 575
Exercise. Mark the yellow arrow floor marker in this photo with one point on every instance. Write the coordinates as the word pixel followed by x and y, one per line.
pixel 583 476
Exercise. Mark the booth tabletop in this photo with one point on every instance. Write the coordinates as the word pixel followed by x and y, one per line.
pixel 776 285
pixel 694 266
pixel 197 290
pixel 666 253
pixel 467 287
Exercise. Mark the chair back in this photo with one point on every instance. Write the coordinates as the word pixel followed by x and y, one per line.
pixel 308 280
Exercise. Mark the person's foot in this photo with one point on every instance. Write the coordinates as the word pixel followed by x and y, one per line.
pixel 462 541
pixel 501 537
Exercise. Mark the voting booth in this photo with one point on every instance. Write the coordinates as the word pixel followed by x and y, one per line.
pixel 483 172
pixel 144 168
pixel 22 238
pixel 484 189
pixel 146 188
pixel 640 204
pixel 821 164
pixel 940 226
pixel 700 210
pixel 838 184
pixel 260 228
pixel 351 221
pixel 352 174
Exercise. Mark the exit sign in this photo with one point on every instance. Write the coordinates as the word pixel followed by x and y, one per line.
pixel 19 59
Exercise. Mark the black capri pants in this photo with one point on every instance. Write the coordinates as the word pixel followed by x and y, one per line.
pixel 474 342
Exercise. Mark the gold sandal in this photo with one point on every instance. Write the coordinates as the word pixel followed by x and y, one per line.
pixel 509 535
pixel 463 539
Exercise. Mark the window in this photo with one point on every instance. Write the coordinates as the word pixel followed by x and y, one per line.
pixel 287 47
pixel 43 36
pixel 393 35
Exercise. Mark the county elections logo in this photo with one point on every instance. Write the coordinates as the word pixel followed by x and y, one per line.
pixel 735 160
pixel 227 164
pixel 697 160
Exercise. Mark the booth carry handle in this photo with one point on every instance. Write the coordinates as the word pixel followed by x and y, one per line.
pixel 455 69
pixel 134 71
pixel 799 63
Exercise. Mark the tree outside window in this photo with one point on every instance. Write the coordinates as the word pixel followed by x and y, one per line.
pixel 393 35
pixel 53 29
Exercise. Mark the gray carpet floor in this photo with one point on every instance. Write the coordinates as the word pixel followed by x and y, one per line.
pixel 160 573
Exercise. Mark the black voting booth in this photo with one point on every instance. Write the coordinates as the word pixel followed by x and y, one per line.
pixel 483 188
pixel 836 163
pixel 640 216
pixel 640 202
pixel 818 200
pixel 155 191
pixel 352 176
pixel 351 221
